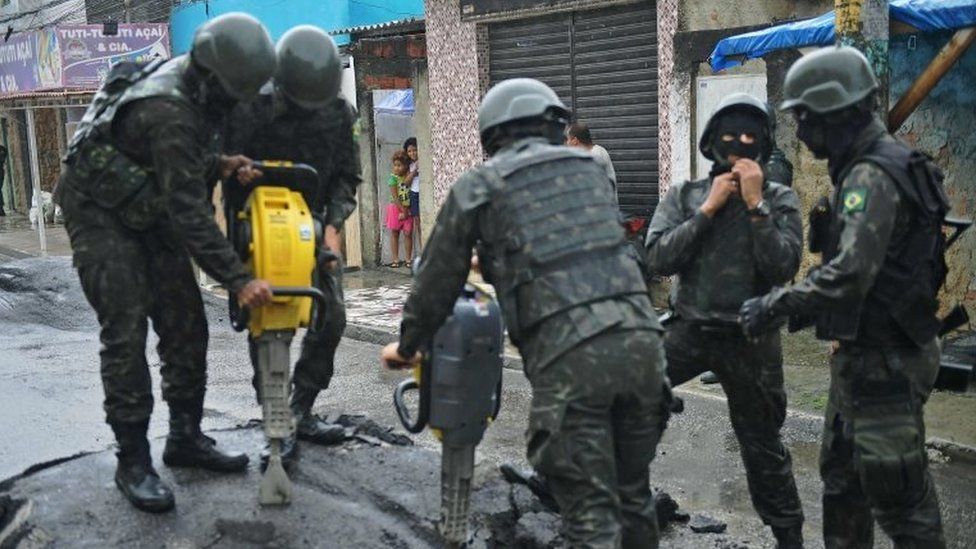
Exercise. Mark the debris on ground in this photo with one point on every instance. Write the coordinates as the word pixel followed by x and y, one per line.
pixel 537 531
pixel 704 524
pixel 14 528
pixel 367 430
pixel 359 493
pixel 667 510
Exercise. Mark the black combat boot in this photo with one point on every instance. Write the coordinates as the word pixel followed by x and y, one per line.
pixel 135 476
pixel 311 428
pixel 187 446
pixel 789 538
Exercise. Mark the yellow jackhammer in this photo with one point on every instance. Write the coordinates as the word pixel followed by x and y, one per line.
pixel 280 241
pixel 460 383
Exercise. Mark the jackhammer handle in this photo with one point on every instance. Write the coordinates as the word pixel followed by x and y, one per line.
pixel 410 424
pixel 314 293
pixel 239 316
pixel 300 291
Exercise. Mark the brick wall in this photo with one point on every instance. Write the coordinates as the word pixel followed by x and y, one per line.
pixel 455 91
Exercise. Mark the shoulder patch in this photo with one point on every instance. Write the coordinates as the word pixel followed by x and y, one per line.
pixel 855 200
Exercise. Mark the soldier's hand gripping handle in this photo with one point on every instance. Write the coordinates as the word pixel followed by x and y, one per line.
pixel 255 293
pixel 392 360
pixel 240 166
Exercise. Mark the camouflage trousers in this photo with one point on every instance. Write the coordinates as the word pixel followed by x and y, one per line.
pixel 316 363
pixel 873 459
pixel 751 373
pixel 129 278
pixel 597 416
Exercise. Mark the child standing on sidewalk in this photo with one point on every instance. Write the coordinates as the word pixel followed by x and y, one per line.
pixel 413 179
pixel 398 218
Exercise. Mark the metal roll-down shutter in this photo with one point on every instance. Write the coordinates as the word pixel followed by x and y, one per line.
pixel 603 64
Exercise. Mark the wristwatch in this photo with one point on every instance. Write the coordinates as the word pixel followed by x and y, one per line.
pixel 761 209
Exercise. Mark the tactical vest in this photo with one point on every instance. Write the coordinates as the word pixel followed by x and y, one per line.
pixel 559 239
pixel 95 167
pixel 308 137
pixel 901 306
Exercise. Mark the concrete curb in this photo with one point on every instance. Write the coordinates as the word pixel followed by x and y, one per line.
pixel 954 450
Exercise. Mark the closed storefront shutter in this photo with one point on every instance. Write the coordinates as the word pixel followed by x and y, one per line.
pixel 603 64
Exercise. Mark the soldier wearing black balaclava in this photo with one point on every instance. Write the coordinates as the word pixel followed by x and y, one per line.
pixel 727 238
pixel 875 296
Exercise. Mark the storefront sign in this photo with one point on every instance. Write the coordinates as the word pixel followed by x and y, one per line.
pixel 75 56
pixel 87 54
pixel 30 62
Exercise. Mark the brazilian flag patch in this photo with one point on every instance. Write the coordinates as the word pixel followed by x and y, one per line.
pixel 855 200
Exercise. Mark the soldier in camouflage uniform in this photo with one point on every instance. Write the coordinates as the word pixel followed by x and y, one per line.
pixel 134 194
pixel 728 238
pixel 304 120
pixel 778 169
pixel 875 295
pixel 549 237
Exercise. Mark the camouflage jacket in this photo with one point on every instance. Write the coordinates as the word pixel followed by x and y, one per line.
pixel 724 260
pixel 266 130
pixel 873 219
pixel 470 216
pixel 176 142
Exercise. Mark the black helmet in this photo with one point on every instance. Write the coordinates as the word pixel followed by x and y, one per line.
pixel 515 99
pixel 235 48
pixel 829 79
pixel 309 68
pixel 737 101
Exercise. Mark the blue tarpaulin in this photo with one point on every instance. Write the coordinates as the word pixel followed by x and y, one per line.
pixel 396 102
pixel 925 15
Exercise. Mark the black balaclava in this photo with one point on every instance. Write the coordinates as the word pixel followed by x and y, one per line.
pixel 737 122
pixel 217 101
pixel 831 135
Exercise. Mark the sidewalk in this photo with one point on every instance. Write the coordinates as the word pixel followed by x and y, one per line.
pixel 19 240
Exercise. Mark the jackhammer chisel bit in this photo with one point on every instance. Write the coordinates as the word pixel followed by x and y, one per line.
pixel 279 423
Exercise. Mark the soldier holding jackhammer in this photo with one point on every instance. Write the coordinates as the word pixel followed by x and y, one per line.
pixel 880 234
pixel 134 195
pixel 549 237
pixel 303 119
pixel 730 237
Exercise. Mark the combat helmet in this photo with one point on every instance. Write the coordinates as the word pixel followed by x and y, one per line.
pixel 828 79
pixel 515 99
pixel 236 49
pixel 742 101
pixel 309 68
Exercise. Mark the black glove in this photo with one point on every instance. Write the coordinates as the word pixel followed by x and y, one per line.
pixel 757 315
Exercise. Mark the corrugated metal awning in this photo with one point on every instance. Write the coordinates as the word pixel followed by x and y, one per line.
pixel 410 24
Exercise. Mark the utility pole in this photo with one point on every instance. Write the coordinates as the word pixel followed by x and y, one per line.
pixel 863 24
pixel 128 15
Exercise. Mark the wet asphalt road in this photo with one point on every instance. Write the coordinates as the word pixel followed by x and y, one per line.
pixel 50 395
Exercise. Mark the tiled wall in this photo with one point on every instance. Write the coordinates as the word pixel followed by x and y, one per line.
pixel 455 92
pixel 667 24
